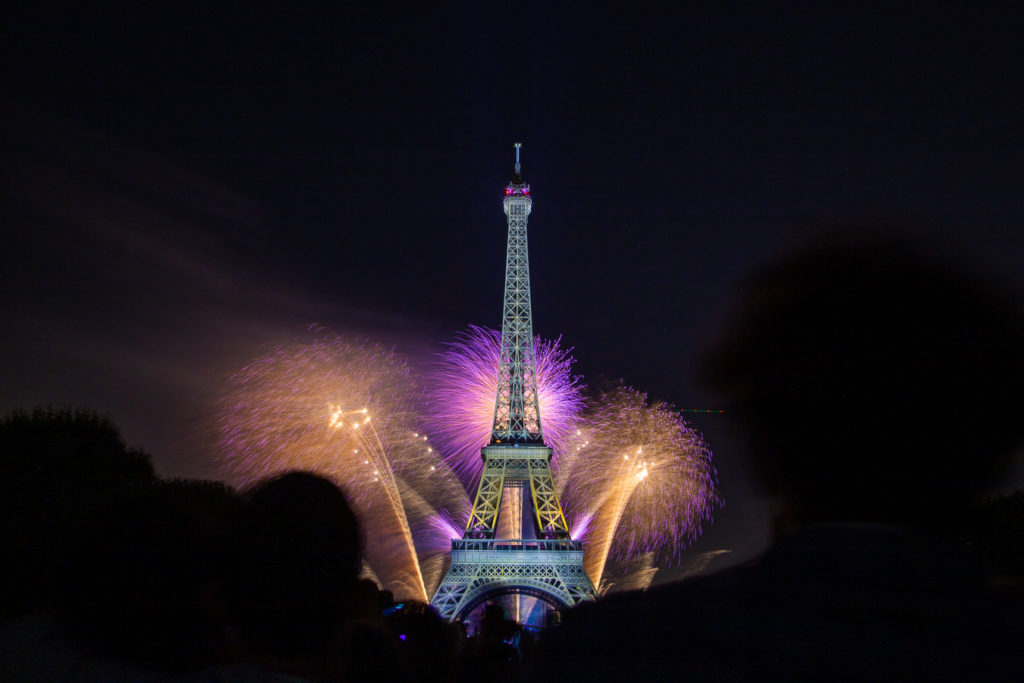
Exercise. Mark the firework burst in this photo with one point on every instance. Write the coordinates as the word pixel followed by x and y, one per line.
pixel 463 388
pixel 638 480
pixel 346 411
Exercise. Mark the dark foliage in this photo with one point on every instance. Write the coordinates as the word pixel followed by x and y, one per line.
pixel 58 467
pixel 144 575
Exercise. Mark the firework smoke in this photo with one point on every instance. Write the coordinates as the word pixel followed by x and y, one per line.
pixel 464 387
pixel 348 412
pixel 637 480
pixel 638 576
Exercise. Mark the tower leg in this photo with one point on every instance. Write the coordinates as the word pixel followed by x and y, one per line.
pixel 484 517
pixel 550 519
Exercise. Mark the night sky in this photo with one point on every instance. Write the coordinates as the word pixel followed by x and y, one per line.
pixel 182 189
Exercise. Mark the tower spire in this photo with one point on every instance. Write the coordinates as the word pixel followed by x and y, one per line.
pixel 517 145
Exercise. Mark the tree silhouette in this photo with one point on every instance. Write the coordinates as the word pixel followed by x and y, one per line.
pixel 57 467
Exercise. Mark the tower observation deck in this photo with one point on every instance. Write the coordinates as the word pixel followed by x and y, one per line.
pixel 539 559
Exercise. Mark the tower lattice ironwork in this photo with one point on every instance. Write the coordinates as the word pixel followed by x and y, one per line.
pixel 540 559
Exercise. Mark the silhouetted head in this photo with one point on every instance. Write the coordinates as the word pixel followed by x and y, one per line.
pixel 874 385
pixel 297 564
pixel 494 624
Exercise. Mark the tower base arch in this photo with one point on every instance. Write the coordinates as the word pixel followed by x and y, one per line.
pixel 482 569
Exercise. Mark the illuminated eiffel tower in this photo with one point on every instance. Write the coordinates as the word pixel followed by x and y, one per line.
pixel 538 558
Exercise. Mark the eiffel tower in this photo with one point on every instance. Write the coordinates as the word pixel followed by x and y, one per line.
pixel 537 557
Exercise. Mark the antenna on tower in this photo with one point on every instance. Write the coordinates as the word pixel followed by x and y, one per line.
pixel 518 145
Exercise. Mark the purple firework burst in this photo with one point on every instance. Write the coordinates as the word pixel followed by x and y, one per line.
pixel 636 479
pixel 462 392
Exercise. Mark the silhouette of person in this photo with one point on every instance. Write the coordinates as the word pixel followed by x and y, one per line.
pixel 488 653
pixel 297 561
pixel 880 393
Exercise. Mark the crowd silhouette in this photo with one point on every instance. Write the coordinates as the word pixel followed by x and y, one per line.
pixel 880 394
pixel 120 575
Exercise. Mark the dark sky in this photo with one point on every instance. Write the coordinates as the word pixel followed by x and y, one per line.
pixel 182 188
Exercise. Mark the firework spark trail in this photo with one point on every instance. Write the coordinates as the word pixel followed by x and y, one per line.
pixel 638 478
pixel 435 498
pixel 441 529
pixel 434 528
pixel 434 568
pixel 434 536
pixel 395 511
pixel 348 412
pixel 612 503
pixel 464 387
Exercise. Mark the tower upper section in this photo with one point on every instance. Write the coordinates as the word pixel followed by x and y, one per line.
pixel 517 406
